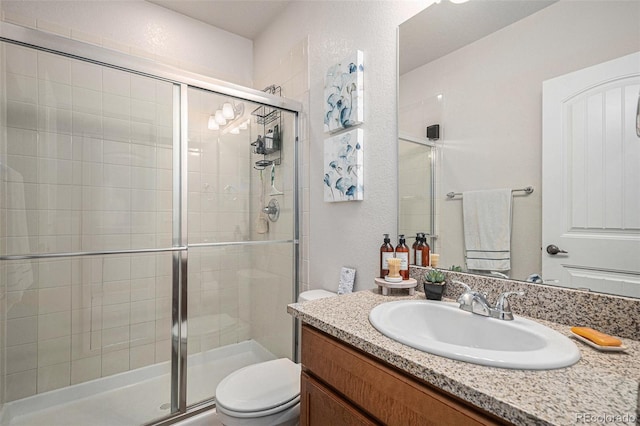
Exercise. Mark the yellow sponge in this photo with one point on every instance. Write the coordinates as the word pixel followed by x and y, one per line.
pixel 596 337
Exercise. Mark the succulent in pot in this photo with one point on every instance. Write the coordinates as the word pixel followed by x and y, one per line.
pixel 434 284
pixel 435 276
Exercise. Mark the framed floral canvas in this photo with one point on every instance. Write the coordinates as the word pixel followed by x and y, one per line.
pixel 343 167
pixel 343 93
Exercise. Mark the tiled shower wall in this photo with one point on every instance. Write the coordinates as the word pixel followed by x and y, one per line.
pixel 88 167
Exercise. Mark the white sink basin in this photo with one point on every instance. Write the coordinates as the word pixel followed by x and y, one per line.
pixel 442 328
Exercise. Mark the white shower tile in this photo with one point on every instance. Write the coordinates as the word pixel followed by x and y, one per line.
pixel 54 273
pixel 116 292
pixel 164 114
pixel 22 358
pixel 117 129
pixel 115 339
pixel 21 88
pixel 87 125
pixel 54 145
pixel 22 330
pixel 115 316
pixel 143 222
pixel 21 60
pixel 143 88
pixel 143 200
pixel 164 135
pixel 117 152
pixel 164 158
pixel 142 355
pixel 143 311
pixel 164 200
pixel 164 179
pixel 54 351
pixel 22 142
pixel 143 266
pixel 143 132
pixel 117 268
pixel 22 304
pixel 143 333
pixel 115 362
pixel 54 377
pixel 87 101
pixel 54 67
pixel 143 178
pixel 21 385
pixel 116 82
pixel 164 93
pixel 117 176
pixel 26 168
pixel 86 345
pixel 88 76
pixel 85 369
pixel 51 326
pixel 163 350
pixel 56 299
pixel 116 106
pixel 86 319
pixel 143 111
pixel 21 115
pixel 143 155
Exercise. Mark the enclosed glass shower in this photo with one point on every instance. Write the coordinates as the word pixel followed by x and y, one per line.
pixel 138 266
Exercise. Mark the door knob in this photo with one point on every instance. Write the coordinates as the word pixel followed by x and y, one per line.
pixel 553 249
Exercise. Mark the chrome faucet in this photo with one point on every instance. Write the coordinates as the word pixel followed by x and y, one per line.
pixel 477 303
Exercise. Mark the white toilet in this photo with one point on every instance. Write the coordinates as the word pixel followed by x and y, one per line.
pixel 264 394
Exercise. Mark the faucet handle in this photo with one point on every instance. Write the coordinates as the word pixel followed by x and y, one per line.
pixel 502 305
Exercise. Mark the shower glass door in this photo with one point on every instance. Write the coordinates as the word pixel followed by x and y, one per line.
pixel 240 276
pixel 86 160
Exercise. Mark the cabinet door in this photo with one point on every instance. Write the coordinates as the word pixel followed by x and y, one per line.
pixel 319 406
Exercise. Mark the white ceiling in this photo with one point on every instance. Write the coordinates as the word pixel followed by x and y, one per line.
pixel 247 18
pixel 442 28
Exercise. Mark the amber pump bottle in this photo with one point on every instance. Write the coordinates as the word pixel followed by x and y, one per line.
pixel 417 250
pixel 426 251
pixel 402 252
pixel 386 252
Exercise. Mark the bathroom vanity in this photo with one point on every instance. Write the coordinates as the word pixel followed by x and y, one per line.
pixel 343 386
pixel 354 375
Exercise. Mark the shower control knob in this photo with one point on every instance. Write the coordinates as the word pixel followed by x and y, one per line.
pixel 553 249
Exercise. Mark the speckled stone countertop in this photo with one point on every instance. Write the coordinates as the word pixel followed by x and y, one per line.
pixel 599 385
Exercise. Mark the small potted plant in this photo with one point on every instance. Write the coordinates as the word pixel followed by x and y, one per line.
pixel 434 284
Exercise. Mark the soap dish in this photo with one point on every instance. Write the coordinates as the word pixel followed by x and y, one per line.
pixel 620 348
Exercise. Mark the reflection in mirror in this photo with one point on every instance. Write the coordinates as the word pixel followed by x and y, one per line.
pixel 490 88
pixel 415 181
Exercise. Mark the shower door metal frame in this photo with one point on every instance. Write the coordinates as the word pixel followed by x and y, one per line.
pixel 181 80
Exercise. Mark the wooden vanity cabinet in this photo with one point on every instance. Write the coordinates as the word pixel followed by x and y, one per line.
pixel 340 385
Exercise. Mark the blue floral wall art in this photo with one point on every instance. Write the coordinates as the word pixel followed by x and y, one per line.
pixel 343 93
pixel 343 167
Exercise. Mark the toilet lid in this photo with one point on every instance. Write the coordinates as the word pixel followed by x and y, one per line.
pixel 260 387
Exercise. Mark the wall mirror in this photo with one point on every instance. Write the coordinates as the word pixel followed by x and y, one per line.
pixel 477 69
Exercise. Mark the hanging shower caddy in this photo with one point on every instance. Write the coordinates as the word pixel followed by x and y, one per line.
pixel 269 141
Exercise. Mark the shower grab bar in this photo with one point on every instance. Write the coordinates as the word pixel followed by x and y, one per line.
pixel 88 253
pixel 527 190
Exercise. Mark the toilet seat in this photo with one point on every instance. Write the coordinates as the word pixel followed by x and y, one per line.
pixel 260 389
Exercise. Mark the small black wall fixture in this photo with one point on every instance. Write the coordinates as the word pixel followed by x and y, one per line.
pixel 433 132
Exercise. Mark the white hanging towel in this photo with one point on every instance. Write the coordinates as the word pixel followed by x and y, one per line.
pixel 487 229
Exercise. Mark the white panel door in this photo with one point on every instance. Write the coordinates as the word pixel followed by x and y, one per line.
pixel 591 177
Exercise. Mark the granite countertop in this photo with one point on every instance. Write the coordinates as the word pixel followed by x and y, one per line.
pixel 600 384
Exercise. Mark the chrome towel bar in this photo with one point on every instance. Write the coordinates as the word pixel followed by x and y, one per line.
pixel 527 190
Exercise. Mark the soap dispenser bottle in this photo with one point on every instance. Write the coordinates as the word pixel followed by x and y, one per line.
pixel 402 252
pixel 426 251
pixel 386 252
pixel 417 250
